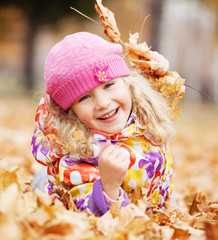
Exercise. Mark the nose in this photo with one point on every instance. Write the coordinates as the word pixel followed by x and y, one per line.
pixel 102 100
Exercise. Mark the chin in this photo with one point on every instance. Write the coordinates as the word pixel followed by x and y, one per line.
pixel 114 131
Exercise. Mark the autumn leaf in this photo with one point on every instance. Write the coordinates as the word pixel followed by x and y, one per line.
pixel 172 88
pixel 108 20
pixel 211 231
pixel 66 197
pixel 171 85
pixel 7 178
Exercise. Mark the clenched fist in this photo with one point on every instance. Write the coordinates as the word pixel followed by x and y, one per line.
pixel 113 164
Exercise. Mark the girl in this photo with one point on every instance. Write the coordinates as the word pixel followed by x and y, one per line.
pixel 101 130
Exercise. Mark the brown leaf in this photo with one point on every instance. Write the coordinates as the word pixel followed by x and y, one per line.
pixel 181 234
pixel 60 228
pixel 167 232
pixel 171 86
pixel 139 196
pixel 114 210
pixel 160 216
pixel 65 197
pixel 211 231
pixel 128 213
pixel 200 220
pixel 141 51
pixel 7 178
pixel 109 22
pixel 106 224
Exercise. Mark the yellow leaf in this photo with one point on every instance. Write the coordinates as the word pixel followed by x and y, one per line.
pixel 7 178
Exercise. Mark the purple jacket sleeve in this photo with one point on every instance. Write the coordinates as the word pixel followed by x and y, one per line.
pixel 97 203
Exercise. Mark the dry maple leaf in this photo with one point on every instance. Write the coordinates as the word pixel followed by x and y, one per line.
pixel 130 221
pixel 172 88
pixel 211 231
pixel 180 233
pixel 171 85
pixel 141 57
pixel 7 178
pixel 66 197
pixel 160 216
pixel 200 220
pixel 139 196
pixel 108 20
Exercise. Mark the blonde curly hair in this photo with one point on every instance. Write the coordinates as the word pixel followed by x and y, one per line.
pixel 151 109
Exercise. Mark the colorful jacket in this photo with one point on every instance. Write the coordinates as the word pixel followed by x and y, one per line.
pixel 148 163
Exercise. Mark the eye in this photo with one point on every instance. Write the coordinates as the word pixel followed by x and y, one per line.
pixel 83 98
pixel 108 85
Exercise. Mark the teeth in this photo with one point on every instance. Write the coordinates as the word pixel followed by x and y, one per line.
pixel 109 114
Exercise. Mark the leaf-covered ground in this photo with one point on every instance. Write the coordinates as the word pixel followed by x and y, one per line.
pixel 33 215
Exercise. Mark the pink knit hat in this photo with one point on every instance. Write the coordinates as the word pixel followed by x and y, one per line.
pixel 79 63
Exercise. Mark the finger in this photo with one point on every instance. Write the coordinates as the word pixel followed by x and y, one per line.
pixel 107 151
pixel 120 158
pixel 125 160
pixel 117 154
pixel 108 143
pixel 124 164
pixel 111 154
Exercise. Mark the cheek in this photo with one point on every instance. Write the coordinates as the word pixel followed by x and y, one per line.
pixel 81 112
pixel 127 101
pixel 84 114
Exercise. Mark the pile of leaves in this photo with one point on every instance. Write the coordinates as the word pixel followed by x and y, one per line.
pixel 171 86
pixel 25 214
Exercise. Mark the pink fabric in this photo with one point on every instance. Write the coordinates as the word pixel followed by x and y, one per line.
pixel 79 63
pixel 111 201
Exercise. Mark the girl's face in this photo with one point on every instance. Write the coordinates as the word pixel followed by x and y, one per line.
pixel 105 108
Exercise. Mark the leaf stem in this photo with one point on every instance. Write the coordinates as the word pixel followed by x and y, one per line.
pixel 203 94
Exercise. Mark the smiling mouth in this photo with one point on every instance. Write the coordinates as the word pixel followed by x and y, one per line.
pixel 109 115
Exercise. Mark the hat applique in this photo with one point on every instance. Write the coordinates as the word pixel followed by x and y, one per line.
pixel 102 74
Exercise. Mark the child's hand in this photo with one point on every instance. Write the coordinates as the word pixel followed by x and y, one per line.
pixel 113 165
pixel 155 56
